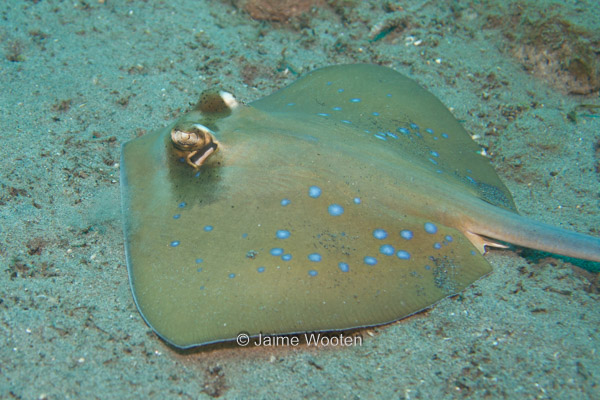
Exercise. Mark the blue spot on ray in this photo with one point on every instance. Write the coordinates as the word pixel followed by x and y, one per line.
pixel 430 228
pixel 199 260
pixel 285 202
pixel 276 251
pixel 231 275
pixel 208 228
pixel 314 257
pixel 182 204
pixel 379 234
pixel 344 267
pixel 283 234
pixel 437 245
pixel 175 243
pixel 387 249
pixel 286 257
pixel 176 216
pixel 403 255
pixel 448 238
pixel 357 200
pixel 370 260
pixel 314 191
pixel 260 269
pixel 335 210
pixel 406 234
pixel 355 100
pixel 312 272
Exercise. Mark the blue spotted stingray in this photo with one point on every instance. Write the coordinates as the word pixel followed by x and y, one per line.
pixel 351 198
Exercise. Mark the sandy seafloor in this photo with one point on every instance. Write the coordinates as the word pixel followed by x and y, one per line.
pixel 79 78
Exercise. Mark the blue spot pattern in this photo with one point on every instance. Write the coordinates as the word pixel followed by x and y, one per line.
pixel 411 131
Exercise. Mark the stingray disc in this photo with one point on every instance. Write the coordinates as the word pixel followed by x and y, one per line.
pixel 332 204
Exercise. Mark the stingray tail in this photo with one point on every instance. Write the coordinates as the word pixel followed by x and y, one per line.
pixel 501 225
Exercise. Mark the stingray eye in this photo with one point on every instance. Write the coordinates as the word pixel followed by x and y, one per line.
pixel 191 137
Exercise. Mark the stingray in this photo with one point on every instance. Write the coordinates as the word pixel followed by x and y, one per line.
pixel 351 198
